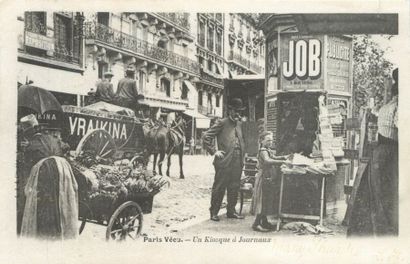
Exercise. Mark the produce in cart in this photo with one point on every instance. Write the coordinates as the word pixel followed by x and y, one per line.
pixel 113 193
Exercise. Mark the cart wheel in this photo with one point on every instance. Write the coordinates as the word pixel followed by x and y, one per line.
pixel 99 142
pixel 85 213
pixel 126 222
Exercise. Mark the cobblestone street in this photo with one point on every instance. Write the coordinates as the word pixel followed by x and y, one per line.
pixel 184 203
pixel 182 210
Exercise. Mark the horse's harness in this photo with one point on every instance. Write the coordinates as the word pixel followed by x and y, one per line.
pixel 176 132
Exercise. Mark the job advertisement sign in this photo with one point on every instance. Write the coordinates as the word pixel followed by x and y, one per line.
pixel 301 62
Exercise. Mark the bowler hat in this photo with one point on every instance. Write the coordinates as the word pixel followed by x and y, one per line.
pixel 236 104
pixel 108 73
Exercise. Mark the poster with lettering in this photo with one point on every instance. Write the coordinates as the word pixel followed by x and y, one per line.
pixel 339 63
pixel 301 62
pixel 126 133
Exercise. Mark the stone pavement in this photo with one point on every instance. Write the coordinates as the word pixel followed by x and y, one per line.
pixel 183 209
pixel 184 203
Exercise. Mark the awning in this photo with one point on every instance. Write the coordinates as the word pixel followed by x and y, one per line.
pixel 195 114
pixel 202 123
pixel 248 77
pixel 171 104
pixel 189 85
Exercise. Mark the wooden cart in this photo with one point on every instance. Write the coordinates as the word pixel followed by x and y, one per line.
pixel 104 137
pixel 122 216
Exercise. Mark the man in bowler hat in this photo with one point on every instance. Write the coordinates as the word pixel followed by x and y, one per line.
pixel 228 160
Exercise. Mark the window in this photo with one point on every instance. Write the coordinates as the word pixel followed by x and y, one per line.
pixel 219 43
pixel 210 65
pixel 201 61
pixel 200 98
pixel 36 22
pixel 219 17
pixel 103 18
pixel 162 44
pixel 166 86
pixel 211 39
pixel 217 102
pixel 142 81
pixel 102 67
pixel 209 104
pixel 201 34
pixel 184 92
pixel 63 35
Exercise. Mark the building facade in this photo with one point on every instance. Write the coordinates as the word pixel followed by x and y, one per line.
pixel 159 46
pixel 50 52
pixel 210 53
pixel 244 46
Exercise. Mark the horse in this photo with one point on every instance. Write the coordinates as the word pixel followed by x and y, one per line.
pixel 163 140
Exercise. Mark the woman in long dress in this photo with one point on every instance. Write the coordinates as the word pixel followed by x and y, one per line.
pixel 51 207
pixel 266 189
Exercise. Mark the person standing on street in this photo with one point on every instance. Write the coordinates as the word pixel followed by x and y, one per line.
pixel 51 191
pixel 105 90
pixel 375 210
pixel 228 160
pixel 127 90
pixel 266 191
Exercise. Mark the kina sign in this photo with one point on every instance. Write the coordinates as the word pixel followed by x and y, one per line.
pixel 302 62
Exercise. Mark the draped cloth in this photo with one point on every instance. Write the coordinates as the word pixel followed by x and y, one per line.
pixel 65 215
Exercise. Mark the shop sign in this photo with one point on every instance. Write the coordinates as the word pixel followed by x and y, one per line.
pixel 78 125
pixel 39 41
pixel 301 62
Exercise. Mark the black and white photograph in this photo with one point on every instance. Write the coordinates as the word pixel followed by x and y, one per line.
pixel 142 129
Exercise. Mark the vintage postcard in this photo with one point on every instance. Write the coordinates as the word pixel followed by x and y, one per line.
pixel 205 132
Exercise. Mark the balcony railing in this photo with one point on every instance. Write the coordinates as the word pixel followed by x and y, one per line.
pixel 256 68
pixel 207 77
pixel 244 62
pixel 125 41
pixel 180 19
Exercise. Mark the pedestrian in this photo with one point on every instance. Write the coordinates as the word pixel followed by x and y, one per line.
pixel 105 90
pixel 51 206
pixel 375 209
pixel 266 190
pixel 27 128
pixel 127 92
pixel 192 146
pixel 228 161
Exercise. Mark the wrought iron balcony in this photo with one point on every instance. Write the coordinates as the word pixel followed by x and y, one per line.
pixel 207 77
pixel 180 19
pixel 244 62
pixel 130 43
pixel 256 68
